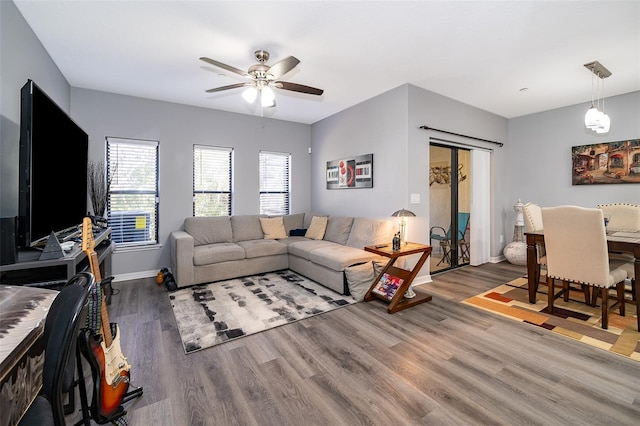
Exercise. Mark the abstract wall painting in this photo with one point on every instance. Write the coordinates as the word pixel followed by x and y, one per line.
pixel 349 173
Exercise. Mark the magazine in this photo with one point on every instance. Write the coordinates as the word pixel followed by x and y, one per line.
pixel 387 286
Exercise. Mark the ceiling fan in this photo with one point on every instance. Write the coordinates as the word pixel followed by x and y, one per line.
pixel 263 78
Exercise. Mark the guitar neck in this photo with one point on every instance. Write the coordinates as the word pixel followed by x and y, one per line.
pixel 104 315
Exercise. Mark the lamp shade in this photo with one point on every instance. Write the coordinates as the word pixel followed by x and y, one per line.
pixel 267 98
pixel 403 213
pixel 250 94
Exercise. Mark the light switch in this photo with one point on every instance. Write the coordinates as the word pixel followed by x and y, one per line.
pixel 415 198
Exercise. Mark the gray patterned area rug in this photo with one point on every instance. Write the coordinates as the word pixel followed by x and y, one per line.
pixel 215 313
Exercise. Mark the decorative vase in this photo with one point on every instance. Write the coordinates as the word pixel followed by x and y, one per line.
pixel 516 251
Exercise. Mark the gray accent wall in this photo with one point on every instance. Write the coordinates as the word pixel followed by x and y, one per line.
pixel 22 57
pixel 539 152
pixel 177 128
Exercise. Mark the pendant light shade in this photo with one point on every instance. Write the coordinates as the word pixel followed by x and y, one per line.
pixel 591 117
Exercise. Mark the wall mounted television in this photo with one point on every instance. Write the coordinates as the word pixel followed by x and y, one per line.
pixel 52 166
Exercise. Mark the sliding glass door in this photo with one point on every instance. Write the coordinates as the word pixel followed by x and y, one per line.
pixel 450 206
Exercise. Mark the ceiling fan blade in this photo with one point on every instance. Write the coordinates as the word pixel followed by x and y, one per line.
pixel 231 86
pixel 295 87
pixel 225 67
pixel 282 67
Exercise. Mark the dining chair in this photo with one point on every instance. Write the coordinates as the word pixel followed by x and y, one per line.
pixel 533 222
pixel 444 238
pixel 623 217
pixel 576 246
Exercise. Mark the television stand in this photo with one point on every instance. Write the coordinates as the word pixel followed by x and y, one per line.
pixel 54 273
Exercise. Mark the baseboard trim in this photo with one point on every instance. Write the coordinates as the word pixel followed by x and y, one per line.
pixel 134 276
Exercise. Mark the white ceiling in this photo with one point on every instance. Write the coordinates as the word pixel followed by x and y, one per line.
pixel 481 53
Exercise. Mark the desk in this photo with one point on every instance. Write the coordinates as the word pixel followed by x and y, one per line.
pixel 397 301
pixel 23 311
pixel 621 244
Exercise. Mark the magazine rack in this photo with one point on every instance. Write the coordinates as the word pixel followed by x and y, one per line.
pixel 392 283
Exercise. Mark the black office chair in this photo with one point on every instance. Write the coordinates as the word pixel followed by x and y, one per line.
pixel 60 336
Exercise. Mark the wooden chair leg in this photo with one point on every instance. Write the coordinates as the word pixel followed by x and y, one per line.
pixel 594 296
pixel 605 306
pixel 621 300
pixel 587 296
pixel 550 295
pixel 565 291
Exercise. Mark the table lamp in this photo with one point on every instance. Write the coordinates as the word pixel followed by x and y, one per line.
pixel 402 214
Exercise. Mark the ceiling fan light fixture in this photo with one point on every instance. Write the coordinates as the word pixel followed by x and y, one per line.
pixel 250 94
pixel 267 97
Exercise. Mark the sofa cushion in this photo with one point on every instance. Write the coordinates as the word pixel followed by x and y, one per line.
pixel 246 227
pixel 304 248
pixel 216 253
pixel 261 248
pixel 317 228
pixel 273 228
pixel 338 257
pixel 209 230
pixel 293 221
pixel 338 228
pixel 367 232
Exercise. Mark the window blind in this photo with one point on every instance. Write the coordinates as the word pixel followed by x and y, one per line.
pixel 212 172
pixel 274 183
pixel 132 206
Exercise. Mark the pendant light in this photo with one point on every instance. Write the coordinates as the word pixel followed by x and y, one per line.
pixel 595 119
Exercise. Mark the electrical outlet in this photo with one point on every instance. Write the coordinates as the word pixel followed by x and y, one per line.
pixel 501 239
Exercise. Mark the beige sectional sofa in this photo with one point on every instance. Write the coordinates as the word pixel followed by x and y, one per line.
pixel 211 249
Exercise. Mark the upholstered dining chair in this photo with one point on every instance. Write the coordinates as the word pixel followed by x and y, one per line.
pixel 533 222
pixel 622 217
pixel 576 246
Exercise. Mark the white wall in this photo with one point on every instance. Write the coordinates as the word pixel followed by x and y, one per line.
pixel 177 128
pixel 539 152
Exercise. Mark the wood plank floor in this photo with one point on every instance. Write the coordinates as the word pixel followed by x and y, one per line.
pixel 438 363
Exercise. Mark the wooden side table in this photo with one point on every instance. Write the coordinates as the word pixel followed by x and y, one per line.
pixel 397 300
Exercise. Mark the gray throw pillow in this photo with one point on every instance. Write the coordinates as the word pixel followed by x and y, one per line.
pixel 359 279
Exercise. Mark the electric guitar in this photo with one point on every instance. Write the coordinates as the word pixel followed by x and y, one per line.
pixel 109 367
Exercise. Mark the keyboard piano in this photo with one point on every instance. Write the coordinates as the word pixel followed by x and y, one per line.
pixel 23 311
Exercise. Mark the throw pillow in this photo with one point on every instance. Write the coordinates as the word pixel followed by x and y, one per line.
pixel 317 228
pixel 273 228
pixel 359 279
pixel 297 232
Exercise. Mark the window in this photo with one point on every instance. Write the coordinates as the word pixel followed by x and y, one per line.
pixel 132 206
pixel 274 183
pixel 211 181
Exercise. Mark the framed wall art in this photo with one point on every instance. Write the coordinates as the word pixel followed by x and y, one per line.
pixel 348 173
pixel 606 163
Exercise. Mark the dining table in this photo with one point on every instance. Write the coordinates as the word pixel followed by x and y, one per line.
pixel 625 242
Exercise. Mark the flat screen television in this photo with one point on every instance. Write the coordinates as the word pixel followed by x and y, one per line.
pixel 52 166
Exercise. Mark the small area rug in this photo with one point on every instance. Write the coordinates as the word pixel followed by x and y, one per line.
pixel 219 312
pixel 573 319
